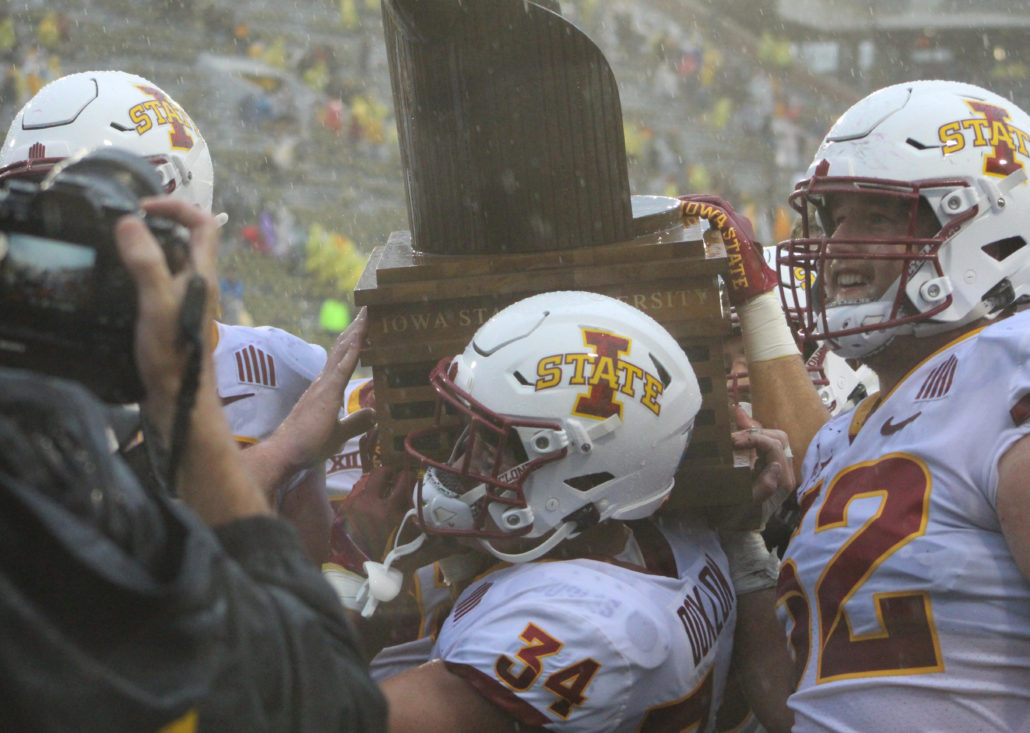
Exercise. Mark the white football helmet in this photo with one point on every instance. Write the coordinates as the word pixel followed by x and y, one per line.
pixel 953 149
pixel 566 409
pixel 94 109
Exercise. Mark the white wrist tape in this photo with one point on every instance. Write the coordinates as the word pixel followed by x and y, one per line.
pixel 752 566
pixel 764 326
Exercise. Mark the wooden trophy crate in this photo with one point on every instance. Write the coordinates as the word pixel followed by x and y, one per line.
pixel 422 308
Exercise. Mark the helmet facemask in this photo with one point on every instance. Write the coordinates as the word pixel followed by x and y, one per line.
pixel 480 489
pixel 861 327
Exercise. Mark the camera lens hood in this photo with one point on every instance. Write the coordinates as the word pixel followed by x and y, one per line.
pixel 129 170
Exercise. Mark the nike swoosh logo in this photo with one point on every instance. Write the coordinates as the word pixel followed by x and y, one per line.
pixel 234 398
pixel 889 427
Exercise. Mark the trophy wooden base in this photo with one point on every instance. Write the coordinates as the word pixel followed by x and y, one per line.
pixel 422 308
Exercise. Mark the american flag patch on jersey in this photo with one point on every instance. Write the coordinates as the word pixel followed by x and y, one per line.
pixel 938 382
pixel 255 366
pixel 471 601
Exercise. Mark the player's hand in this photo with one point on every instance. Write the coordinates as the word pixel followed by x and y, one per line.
pixel 749 274
pixel 313 431
pixel 772 468
pixel 368 519
pixel 373 510
pixel 363 532
pixel 369 450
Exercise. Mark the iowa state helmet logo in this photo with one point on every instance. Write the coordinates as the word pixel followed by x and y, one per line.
pixel 604 373
pixel 988 128
pixel 161 111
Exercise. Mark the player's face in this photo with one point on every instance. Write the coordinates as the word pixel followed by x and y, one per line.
pixel 485 453
pixel 862 268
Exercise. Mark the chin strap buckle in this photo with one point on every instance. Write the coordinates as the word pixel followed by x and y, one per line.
pixel 384 582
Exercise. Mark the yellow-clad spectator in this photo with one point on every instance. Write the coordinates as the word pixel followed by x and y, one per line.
pixel 367 116
pixel 276 54
pixel 348 15
pixel 316 76
pixel 51 31
pixel 8 36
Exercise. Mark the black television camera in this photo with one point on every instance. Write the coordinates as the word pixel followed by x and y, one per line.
pixel 67 304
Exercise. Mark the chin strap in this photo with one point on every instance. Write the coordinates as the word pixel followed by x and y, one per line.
pixel 562 533
pixel 384 582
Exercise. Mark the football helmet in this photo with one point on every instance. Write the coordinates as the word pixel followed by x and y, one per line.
pixel 955 150
pixel 565 410
pixel 88 110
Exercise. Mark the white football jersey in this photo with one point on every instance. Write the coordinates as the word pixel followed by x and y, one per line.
pixel 587 645
pixel 260 374
pixel 903 605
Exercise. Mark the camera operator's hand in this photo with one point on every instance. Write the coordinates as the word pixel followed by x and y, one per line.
pixel 160 353
pixel 212 478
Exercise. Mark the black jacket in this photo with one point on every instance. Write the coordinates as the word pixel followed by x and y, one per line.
pixel 121 611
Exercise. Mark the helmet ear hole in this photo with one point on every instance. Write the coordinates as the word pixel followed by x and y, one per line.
pixel 584 518
pixel 1000 296
pixel 588 481
pixel 1004 248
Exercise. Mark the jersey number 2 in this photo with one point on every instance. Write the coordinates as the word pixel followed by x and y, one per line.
pixel 906 642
